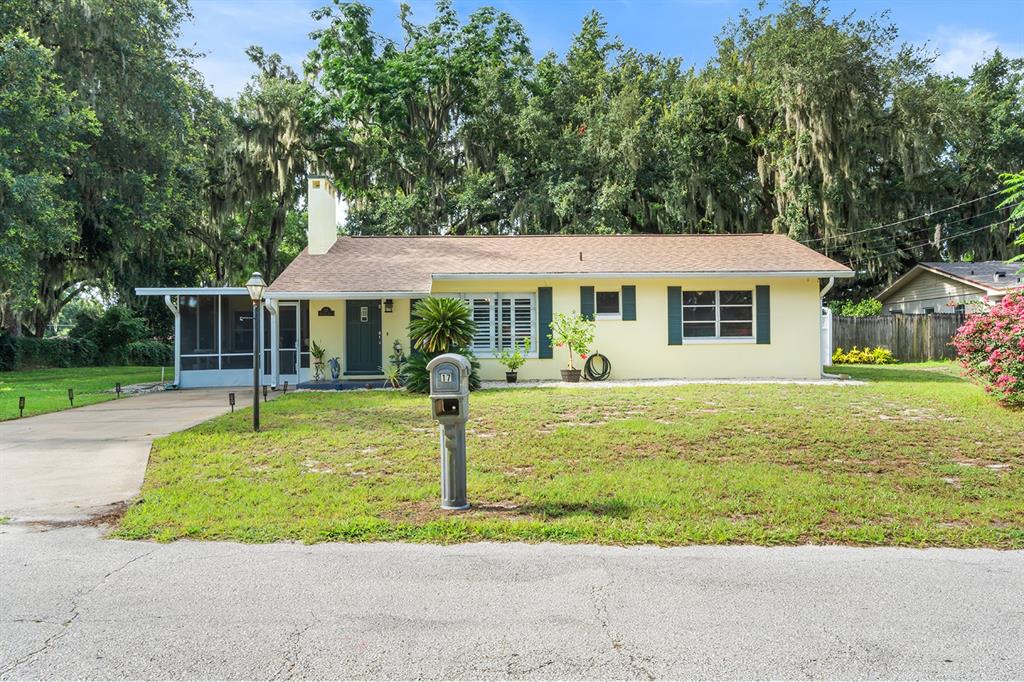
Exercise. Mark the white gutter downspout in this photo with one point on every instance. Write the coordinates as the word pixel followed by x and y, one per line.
pixel 828 288
pixel 177 337
pixel 826 314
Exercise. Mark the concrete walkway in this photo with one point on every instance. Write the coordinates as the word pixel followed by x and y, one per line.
pixel 75 606
pixel 77 463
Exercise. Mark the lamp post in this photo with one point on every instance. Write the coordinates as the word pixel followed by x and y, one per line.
pixel 256 285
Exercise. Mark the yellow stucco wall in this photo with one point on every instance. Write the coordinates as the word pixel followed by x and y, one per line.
pixel 636 349
pixel 639 349
pixel 329 332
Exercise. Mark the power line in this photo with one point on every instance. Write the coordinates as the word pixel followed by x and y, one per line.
pixel 926 242
pixel 952 222
pixel 907 220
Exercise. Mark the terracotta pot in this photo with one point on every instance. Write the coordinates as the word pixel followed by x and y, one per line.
pixel 571 375
pixel 511 377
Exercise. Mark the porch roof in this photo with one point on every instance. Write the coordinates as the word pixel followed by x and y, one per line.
pixel 406 266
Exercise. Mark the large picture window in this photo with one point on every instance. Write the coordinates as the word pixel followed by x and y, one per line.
pixel 718 314
pixel 502 321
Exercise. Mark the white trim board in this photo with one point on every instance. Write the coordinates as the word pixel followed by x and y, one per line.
pixel 764 274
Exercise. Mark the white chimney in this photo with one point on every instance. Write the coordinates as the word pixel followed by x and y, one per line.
pixel 322 204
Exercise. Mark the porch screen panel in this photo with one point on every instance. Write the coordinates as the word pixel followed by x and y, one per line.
pixel 199 332
pixel 304 334
pixel 236 332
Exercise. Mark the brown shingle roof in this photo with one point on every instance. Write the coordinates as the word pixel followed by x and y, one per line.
pixel 407 264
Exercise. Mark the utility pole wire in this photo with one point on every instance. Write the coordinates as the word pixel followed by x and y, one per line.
pixel 907 220
pixel 926 242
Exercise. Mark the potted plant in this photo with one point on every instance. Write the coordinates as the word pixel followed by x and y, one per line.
pixel 576 334
pixel 514 358
pixel 319 353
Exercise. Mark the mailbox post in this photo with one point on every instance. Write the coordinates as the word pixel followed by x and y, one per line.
pixel 449 404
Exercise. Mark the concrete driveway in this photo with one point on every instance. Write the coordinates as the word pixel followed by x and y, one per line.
pixel 75 464
pixel 75 606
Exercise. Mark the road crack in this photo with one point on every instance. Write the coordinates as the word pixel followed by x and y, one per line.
pixel 291 658
pixel 598 598
pixel 73 614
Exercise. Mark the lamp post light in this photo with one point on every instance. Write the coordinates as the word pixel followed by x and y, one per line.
pixel 256 285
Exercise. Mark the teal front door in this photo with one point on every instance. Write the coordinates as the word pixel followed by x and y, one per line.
pixel 362 337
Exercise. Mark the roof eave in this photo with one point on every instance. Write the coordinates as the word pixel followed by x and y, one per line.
pixel 642 275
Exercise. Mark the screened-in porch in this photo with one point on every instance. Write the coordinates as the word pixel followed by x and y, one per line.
pixel 214 335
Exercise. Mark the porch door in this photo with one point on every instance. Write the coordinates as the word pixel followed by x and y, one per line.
pixel 288 342
pixel 362 337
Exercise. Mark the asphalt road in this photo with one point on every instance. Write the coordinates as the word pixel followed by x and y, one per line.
pixel 75 606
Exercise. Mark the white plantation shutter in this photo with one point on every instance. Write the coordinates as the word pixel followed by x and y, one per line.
pixel 482 307
pixel 517 313
pixel 502 320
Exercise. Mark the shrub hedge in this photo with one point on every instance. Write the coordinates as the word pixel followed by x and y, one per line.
pixel 64 351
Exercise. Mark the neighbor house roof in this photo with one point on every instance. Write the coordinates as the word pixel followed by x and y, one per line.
pixel 991 276
pixel 396 265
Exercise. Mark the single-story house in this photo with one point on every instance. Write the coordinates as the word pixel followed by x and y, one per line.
pixel 665 306
pixel 950 287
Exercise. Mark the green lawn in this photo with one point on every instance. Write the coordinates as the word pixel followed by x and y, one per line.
pixel 917 457
pixel 46 390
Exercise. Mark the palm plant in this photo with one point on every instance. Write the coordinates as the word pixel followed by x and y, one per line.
pixel 441 325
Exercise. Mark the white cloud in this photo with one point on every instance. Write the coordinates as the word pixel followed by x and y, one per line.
pixel 960 49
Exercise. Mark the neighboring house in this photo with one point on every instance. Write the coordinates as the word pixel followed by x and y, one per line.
pixel 703 306
pixel 950 287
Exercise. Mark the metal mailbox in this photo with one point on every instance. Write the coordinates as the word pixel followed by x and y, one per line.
pixel 449 405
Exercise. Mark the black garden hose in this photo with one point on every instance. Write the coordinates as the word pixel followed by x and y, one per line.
pixel 589 370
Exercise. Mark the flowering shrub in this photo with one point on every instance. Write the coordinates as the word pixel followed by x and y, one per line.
pixel 574 332
pixel 990 346
pixel 867 356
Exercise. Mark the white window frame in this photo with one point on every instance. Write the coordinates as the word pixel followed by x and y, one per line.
pixel 494 319
pixel 608 316
pixel 718 338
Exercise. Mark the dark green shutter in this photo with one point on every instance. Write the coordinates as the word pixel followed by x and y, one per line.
pixel 587 302
pixel 764 314
pixel 412 306
pixel 629 302
pixel 544 322
pixel 675 316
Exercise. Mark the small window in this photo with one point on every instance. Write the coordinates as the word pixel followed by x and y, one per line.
pixel 606 304
pixel 929 311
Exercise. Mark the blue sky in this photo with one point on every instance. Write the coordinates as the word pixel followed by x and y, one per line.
pixel 961 31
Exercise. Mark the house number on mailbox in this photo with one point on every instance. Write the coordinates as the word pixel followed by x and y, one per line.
pixel 445 377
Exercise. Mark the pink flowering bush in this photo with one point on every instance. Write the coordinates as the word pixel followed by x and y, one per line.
pixel 990 346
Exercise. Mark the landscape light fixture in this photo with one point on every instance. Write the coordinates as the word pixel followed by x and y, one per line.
pixel 286 387
pixel 71 396
pixel 255 286
pixel 21 406
pixel 117 389
pixel 264 393
pixel 231 401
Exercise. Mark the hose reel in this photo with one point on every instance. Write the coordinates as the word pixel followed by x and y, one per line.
pixel 599 370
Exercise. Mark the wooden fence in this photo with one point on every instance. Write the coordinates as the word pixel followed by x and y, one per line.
pixel 911 338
